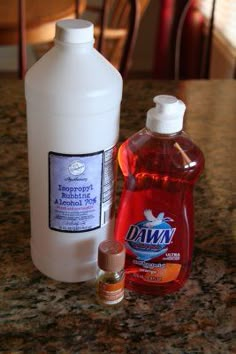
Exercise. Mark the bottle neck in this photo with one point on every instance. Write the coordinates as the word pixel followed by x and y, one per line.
pixel 163 136
pixel 165 120
pixel 117 275
pixel 74 47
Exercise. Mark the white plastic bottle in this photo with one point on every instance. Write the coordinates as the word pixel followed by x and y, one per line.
pixel 73 97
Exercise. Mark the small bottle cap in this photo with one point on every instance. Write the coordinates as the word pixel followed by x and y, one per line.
pixel 74 31
pixel 167 116
pixel 111 256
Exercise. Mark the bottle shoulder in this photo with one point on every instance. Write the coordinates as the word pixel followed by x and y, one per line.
pixel 86 73
pixel 110 277
pixel 145 139
pixel 148 152
pixel 80 84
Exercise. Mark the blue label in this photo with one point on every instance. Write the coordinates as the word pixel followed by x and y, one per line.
pixel 75 191
pixel 150 238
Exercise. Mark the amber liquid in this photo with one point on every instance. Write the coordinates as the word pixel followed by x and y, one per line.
pixel 159 176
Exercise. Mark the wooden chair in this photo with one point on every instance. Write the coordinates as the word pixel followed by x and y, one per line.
pixel 31 22
pixel 116 30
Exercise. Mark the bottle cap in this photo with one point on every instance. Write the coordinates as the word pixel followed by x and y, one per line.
pixel 74 31
pixel 167 116
pixel 111 256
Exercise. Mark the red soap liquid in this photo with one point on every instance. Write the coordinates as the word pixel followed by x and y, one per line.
pixel 155 217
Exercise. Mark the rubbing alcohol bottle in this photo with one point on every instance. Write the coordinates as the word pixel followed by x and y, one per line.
pixel 73 97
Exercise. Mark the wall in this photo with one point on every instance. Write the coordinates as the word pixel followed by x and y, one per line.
pixel 222 59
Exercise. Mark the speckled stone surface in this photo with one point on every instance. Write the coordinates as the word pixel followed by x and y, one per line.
pixel 39 315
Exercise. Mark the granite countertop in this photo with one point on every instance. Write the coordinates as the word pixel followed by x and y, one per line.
pixel 39 315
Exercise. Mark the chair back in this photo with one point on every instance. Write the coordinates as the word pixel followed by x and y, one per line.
pixel 116 30
pixel 116 26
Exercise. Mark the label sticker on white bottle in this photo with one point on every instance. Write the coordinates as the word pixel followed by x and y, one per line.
pixel 80 190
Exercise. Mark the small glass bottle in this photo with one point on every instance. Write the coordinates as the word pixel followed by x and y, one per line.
pixel 111 276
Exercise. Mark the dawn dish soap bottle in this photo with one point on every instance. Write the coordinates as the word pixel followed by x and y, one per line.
pixel 73 97
pixel 155 220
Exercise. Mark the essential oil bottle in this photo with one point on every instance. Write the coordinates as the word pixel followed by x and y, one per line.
pixel 111 276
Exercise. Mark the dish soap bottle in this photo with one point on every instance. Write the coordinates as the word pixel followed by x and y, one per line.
pixel 73 97
pixel 160 165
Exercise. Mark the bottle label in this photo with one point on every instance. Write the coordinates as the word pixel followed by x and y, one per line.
pixel 148 241
pixel 111 294
pixel 81 190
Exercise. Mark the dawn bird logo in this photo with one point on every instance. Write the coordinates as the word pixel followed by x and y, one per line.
pixel 154 221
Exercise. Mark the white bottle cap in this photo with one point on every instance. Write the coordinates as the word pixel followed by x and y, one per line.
pixel 74 31
pixel 167 116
